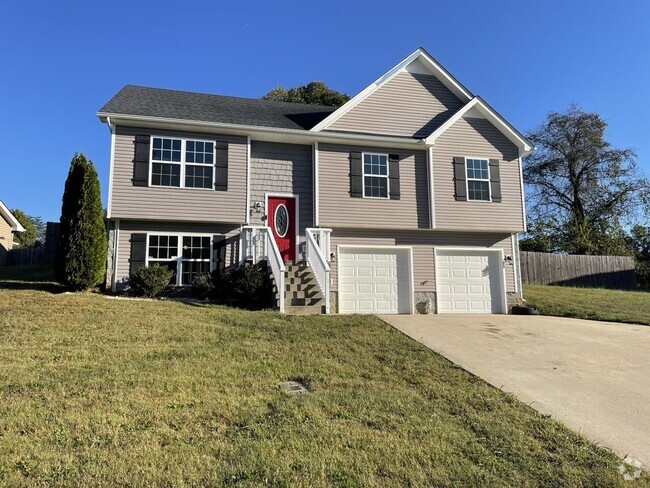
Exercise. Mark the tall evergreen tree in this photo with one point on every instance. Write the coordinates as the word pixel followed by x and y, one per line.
pixel 80 260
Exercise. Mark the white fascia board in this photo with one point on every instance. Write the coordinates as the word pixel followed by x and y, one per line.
pixel 525 147
pixel 256 133
pixel 436 69
pixel 11 220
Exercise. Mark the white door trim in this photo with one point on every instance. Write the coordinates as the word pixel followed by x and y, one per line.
pixel 296 217
pixel 340 247
pixel 502 281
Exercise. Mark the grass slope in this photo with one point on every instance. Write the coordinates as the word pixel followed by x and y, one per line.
pixel 590 303
pixel 105 392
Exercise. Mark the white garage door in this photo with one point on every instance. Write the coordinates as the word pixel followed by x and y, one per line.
pixel 469 281
pixel 375 280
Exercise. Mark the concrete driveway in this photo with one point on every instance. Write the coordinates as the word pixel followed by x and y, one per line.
pixel 592 376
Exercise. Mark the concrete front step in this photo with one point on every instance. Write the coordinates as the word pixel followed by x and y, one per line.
pixel 301 294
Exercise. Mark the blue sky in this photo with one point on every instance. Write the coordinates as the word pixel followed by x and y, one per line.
pixel 60 61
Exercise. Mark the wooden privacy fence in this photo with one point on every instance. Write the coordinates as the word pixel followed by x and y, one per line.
pixel 538 268
pixel 43 254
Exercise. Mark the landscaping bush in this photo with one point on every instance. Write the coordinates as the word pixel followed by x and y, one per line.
pixel 643 275
pixel 202 286
pixel 150 281
pixel 247 287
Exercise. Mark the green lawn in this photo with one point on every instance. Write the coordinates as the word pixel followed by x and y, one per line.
pixel 95 391
pixel 590 303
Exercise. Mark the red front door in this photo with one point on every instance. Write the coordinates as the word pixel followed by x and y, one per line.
pixel 281 217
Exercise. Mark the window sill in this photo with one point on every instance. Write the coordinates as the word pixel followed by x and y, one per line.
pixel 181 188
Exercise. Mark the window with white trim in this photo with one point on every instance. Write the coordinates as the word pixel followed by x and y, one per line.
pixel 182 163
pixel 187 256
pixel 163 250
pixel 478 179
pixel 375 175
pixel 195 258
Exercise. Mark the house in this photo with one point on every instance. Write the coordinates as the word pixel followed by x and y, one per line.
pixel 8 225
pixel 407 198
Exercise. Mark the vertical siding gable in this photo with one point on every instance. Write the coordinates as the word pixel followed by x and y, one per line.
pixel 479 138
pixel 410 105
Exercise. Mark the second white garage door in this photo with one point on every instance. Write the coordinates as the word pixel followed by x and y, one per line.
pixel 375 280
pixel 469 281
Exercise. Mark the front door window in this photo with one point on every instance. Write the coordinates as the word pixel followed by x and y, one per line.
pixel 281 220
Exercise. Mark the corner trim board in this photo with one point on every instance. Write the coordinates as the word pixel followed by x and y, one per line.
pixel 112 128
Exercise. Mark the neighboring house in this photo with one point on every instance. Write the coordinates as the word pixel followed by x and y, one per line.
pixel 407 196
pixel 8 225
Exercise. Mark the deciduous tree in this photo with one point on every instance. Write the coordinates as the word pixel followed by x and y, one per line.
pixel 316 93
pixel 584 191
pixel 34 229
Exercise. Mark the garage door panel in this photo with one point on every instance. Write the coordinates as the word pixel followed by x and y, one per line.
pixel 468 281
pixel 374 281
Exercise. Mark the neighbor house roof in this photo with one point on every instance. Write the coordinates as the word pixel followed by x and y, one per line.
pixel 182 105
pixel 10 219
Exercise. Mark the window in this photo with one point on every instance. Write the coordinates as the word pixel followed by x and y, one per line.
pixel 200 154
pixel 196 258
pixel 478 179
pixel 186 256
pixel 166 162
pixel 375 175
pixel 163 250
pixel 182 163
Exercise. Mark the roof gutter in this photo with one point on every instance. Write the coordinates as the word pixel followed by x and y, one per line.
pixel 126 119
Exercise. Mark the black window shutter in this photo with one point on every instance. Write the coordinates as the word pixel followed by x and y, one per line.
pixel 138 252
pixel 141 161
pixel 495 181
pixel 221 166
pixel 356 175
pixel 219 252
pixel 459 178
pixel 393 176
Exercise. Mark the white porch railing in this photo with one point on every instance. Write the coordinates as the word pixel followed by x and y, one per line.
pixel 257 244
pixel 322 237
pixel 317 257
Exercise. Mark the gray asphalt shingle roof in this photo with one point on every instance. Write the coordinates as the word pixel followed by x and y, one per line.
pixel 172 104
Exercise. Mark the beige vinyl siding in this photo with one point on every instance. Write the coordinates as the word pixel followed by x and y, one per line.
pixel 282 168
pixel 475 137
pixel 178 204
pixel 126 228
pixel 338 208
pixel 410 104
pixel 6 240
pixel 423 243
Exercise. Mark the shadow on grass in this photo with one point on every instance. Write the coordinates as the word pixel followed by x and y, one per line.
pixel 46 286
pixel 37 278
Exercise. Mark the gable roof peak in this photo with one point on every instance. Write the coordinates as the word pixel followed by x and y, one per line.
pixel 420 54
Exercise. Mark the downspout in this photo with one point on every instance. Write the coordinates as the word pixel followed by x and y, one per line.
pixel 316 186
pixel 432 204
pixel 248 179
